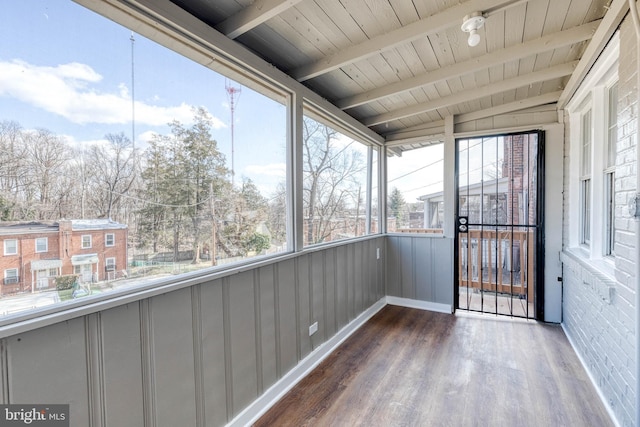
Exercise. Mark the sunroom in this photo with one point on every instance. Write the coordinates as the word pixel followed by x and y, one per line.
pixel 325 164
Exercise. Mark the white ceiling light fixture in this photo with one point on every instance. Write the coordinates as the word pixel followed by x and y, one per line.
pixel 471 24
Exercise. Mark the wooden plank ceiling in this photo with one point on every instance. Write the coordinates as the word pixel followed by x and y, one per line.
pixel 401 66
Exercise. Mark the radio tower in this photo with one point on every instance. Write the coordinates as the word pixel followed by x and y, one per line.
pixel 233 93
pixel 133 98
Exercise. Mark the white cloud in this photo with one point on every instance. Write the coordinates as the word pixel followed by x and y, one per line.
pixel 147 136
pixel 67 90
pixel 273 169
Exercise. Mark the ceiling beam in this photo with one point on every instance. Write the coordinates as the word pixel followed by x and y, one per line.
pixel 252 16
pixel 434 129
pixel 610 23
pixel 429 131
pixel 519 51
pixel 536 101
pixel 408 33
pixel 473 94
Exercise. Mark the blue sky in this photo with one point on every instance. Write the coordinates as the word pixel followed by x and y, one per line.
pixel 68 70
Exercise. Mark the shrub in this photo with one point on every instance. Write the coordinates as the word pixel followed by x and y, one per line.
pixel 65 282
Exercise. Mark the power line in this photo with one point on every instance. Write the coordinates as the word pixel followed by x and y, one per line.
pixel 415 170
pixel 165 205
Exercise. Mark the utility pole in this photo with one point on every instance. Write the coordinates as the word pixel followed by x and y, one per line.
pixel 233 93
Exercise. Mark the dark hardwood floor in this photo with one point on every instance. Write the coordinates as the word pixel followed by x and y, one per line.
pixel 408 367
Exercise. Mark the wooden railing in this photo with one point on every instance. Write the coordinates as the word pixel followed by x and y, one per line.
pixel 419 230
pixel 501 261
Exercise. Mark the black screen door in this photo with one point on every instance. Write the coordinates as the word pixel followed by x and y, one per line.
pixel 499 215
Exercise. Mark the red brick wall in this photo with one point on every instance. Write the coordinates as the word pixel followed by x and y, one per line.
pixel 61 245
pixel 98 246
pixel 26 254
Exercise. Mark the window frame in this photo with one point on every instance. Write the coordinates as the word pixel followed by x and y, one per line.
pixel 372 158
pixel 610 170
pixel 6 252
pixel 7 276
pixel 586 158
pixel 46 245
pixel 189 43
pixel 592 191
pixel 82 241
pixel 106 239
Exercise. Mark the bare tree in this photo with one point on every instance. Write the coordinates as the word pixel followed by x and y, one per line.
pixel 112 174
pixel 12 157
pixel 47 155
pixel 277 215
pixel 332 176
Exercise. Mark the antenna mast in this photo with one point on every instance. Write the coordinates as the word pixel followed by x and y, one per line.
pixel 233 93
pixel 133 99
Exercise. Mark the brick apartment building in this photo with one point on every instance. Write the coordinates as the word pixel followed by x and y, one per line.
pixel 35 252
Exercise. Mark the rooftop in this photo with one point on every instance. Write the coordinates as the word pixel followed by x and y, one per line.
pixel 34 227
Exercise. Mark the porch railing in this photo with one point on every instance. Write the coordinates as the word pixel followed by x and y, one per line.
pixel 498 260
pixel 420 230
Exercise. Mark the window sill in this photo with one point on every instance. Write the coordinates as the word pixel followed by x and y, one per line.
pixel 596 274
pixel 602 267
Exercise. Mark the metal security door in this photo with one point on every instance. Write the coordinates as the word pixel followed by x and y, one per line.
pixel 499 215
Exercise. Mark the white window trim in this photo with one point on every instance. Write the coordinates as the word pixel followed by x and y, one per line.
pixel 82 241
pixel 592 94
pixel 113 239
pixel 46 245
pixel 5 247
pixel 608 218
pixel 16 275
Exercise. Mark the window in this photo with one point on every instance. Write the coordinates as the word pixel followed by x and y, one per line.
pixel 335 189
pixel 110 264
pixel 593 132
pixel 585 179
pixel 197 174
pixel 610 170
pixel 11 247
pixel 374 206
pixel 42 244
pixel 53 272
pixel 415 199
pixel 11 276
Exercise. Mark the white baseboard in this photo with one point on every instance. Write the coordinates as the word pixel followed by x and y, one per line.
pixel 422 305
pixel 263 403
pixel 604 400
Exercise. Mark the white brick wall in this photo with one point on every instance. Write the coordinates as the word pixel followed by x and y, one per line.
pixel 598 309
